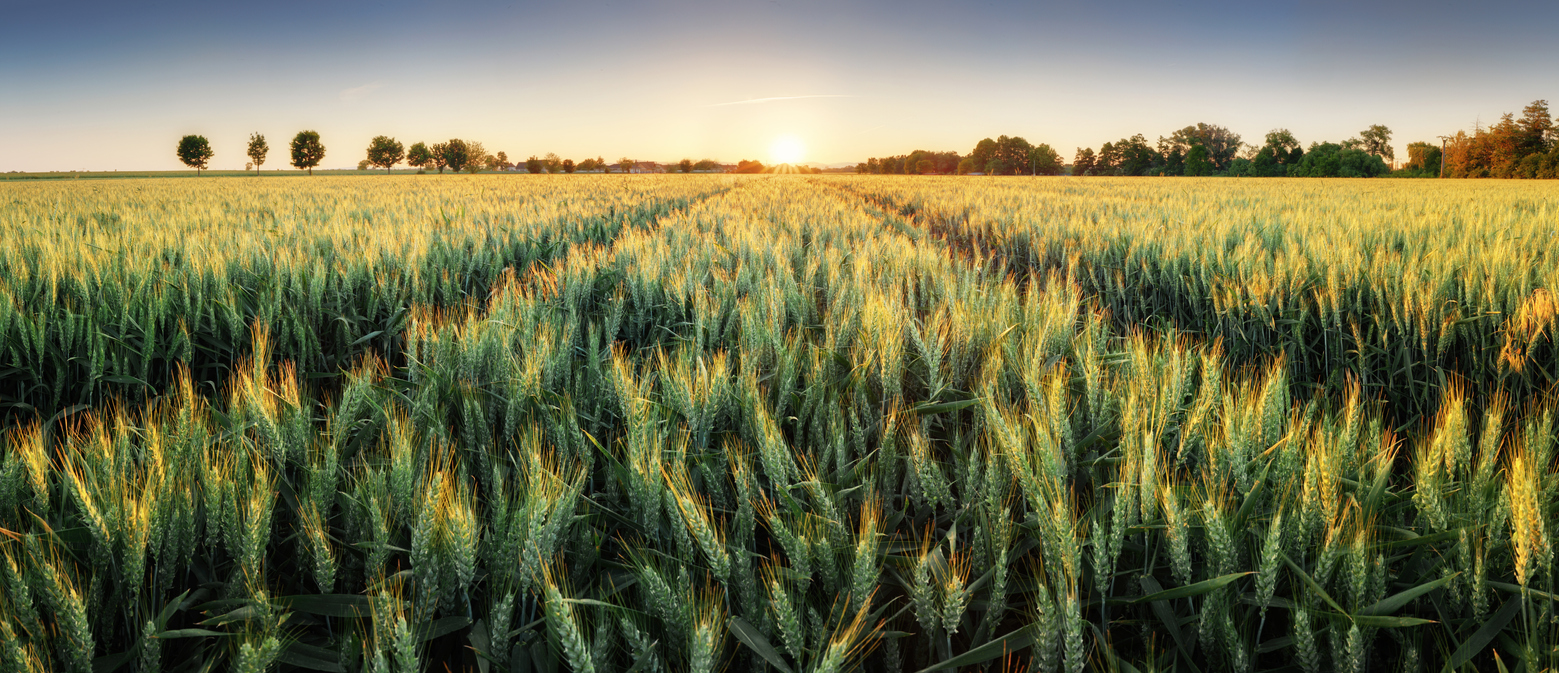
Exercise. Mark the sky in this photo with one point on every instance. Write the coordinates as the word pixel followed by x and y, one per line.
pixel 114 85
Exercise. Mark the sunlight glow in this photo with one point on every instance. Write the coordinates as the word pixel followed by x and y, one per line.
pixel 787 149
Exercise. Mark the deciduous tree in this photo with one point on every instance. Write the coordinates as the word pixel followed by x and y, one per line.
pixel 439 156
pixel 455 153
pixel 1222 145
pixel 257 151
pixel 982 154
pixel 1277 155
pixel 1043 160
pixel 1108 161
pixel 1423 157
pixel 1333 160
pixel 477 157
pixel 1011 156
pixel 1198 161
pixel 307 151
pixel 1083 163
pixel 419 156
pixel 1376 140
pixel 1133 156
pixel 195 152
pixel 385 152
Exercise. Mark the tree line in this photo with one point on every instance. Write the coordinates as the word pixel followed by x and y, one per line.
pixel 1196 150
pixel 1002 156
pixel 1527 147
pixel 1524 147
pixel 455 155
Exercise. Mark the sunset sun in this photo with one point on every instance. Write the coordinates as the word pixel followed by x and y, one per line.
pixel 787 149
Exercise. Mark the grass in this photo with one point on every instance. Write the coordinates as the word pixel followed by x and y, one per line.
pixel 786 423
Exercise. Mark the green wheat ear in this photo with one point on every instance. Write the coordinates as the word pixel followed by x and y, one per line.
pixel 709 630
pixel 562 622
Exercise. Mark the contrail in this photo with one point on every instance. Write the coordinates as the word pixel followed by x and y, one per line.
pixel 775 98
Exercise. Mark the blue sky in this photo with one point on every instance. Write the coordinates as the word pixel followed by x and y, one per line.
pixel 102 86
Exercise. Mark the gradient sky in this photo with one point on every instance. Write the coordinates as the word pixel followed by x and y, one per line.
pixel 103 86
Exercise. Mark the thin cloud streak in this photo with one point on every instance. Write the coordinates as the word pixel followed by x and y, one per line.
pixel 755 101
pixel 357 93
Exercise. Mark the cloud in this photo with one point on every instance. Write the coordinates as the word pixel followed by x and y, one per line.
pixel 754 101
pixel 358 93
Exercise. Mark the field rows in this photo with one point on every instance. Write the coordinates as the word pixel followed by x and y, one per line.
pixel 807 424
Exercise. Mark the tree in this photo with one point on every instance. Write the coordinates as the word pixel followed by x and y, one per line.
pixel 1133 156
pixel 626 163
pixel 1376 140
pixel 385 152
pixel 1537 128
pixel 1222 145
pixel 195 152
pixel 456 154
pixel 1333 160
pixel 706 165
pixel 1083 164
pixel 438 157
pixel 984 151
pixel 307 151
pixel 1503 143
pixel 1007 156
pixel 1509 149
pixel 552 162
pixel 745 166
pixel 364 165
pixel 534 165
pixel 257 151
pixel 685 165
pixel 1044 161
pixel 477 157
pixel 568 166
pixel 1423 157
pixel 503 161
pixel 1198 161
pixel 1108 162
pixel 1277 155
pixel 419 156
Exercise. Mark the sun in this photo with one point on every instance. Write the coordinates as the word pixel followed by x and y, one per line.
pixel 787 149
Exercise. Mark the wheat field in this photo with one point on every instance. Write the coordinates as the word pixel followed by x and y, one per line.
pixel 788 423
